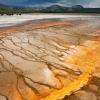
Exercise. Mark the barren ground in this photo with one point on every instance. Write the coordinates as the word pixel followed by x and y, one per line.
pixel 50 60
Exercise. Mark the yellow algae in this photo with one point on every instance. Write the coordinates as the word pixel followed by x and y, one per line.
pixel 87 60
pixel 73 86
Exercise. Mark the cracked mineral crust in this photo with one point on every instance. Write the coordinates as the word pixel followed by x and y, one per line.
pixel 47 61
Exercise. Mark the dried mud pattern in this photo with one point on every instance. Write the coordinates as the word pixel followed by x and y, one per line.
pixel 43 63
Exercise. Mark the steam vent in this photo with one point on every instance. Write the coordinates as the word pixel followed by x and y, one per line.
pixel 50 60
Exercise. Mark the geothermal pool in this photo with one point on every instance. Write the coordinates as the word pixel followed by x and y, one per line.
pixel 16 19
pixel 49 57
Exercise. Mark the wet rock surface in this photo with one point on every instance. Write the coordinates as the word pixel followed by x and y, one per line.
pixel 35 63
pixel 88 92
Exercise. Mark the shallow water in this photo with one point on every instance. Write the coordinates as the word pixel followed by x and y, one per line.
pixel 15 19
pixel 35 62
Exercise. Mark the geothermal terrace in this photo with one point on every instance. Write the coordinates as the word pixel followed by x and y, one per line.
pixel 49 58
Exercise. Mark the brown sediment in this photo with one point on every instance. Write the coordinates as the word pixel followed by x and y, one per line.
pixel 29 26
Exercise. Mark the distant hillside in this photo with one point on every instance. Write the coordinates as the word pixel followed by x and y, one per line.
pixel 77 7
pixel 73 9
pixel 1 5
pixel 10 10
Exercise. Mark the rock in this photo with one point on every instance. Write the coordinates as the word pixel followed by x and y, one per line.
pixel 2 98
pixel 96 75
pixel 98 97
pixel 70 98
pixel 83 95
pixel 93 87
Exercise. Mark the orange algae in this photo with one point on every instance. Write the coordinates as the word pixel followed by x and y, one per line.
pixel 89 57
